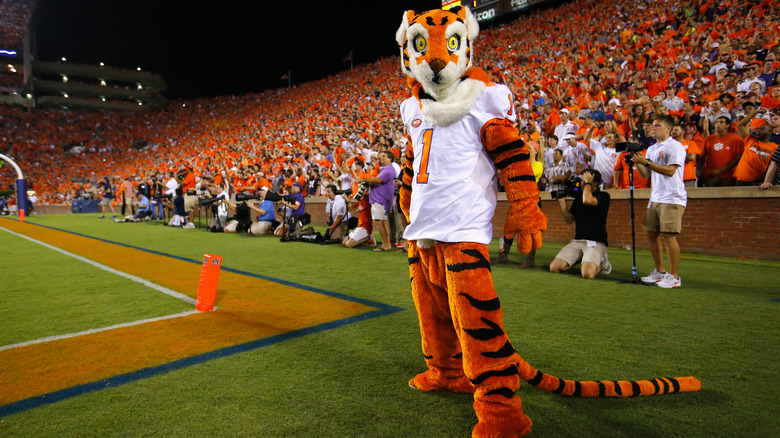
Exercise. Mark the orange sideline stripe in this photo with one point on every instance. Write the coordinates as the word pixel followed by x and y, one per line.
pixel 250 309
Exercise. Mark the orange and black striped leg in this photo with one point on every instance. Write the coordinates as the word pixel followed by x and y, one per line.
pixel 440 344
pixel 489 359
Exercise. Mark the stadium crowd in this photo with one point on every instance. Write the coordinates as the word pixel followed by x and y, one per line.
pixel 587 77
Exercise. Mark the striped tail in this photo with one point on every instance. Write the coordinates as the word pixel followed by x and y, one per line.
pixel 606 388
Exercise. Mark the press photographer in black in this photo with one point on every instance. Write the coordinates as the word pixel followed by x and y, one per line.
pixel 179 217
pixel 589 213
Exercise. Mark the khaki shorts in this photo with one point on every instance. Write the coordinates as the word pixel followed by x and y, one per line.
pixel 106 201
pixel 378 212
pixel 190 202
pixel 578 251
pixel 260 227
pixel 664 218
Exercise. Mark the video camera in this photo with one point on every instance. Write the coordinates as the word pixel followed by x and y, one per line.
pixel 629 148
pixel 361 192
pixel 571 188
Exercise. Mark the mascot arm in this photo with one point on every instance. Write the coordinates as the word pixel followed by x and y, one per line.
pixel 512 158
pixel 407 175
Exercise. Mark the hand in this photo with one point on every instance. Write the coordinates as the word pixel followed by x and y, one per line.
pixel 765 185
pixel 639 158
pixel 587 177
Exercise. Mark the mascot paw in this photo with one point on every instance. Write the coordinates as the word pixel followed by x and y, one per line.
pixel 528 241
pixel 501 420
pixel 433 380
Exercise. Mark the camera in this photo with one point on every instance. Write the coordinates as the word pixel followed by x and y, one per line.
pixel 168 196
pixel 571 187
pixel 210 201
pixel 629 148
pixel 240 197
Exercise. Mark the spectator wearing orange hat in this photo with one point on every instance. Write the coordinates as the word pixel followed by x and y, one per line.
pixel 752 167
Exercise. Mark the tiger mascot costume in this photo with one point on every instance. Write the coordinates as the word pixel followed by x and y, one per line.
pixel 460 127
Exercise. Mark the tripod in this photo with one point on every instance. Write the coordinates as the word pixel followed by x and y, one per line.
pixel 634 277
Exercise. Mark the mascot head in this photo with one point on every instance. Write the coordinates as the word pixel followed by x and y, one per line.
pixel 436 46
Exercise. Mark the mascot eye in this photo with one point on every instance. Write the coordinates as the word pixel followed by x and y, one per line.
pixel 420 44
pixel 453 43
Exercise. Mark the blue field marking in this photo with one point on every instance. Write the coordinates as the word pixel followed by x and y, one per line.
pixel 53 397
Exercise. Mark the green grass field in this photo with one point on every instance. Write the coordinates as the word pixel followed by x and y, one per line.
pixel 351 381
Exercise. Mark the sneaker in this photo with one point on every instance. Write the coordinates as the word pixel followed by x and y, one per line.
pixel 669 282
pixel 654 277
pixel 101 217
pixel 372 242
pixel 400 244
pixel 606 266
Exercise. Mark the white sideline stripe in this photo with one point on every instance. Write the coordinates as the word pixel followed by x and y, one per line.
pixel 134 278
pixel 97 330
pixel 131 277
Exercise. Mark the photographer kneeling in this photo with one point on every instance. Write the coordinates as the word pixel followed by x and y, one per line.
pixel 589 212
pixel 217 194
pixel 296 210
pixel 180 217
pixel 337 222
pixel 266 219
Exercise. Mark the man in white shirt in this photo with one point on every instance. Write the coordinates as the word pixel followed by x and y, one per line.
pixel 604 155
pixel 337 225
pixel 663 163
pixel 575 152
pixel 566 127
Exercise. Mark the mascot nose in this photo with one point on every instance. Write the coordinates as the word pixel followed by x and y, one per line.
pixel 437 65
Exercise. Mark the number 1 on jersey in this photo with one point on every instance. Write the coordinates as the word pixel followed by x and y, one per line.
pixel 422 173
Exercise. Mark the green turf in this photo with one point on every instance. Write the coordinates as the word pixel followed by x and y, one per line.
pixel 721 327
pixel 54 294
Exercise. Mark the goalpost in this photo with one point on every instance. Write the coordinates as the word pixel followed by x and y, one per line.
pixel 21 188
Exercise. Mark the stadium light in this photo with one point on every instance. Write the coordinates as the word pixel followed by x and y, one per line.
pixel 103 82
pixel 138 68
pixel 64 79
pixel 29 96
pixel 140 87
pixel 66 95
pixel 101 64
pixel 63 59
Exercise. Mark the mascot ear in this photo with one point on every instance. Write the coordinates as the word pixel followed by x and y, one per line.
pixel 400 34
pixel 472 25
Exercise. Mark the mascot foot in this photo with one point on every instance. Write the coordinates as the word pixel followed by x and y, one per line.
pixel 433 380
pixel 499 420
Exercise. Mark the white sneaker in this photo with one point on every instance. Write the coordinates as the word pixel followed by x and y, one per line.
pixel 654 277
pixel 669 282
pixel 606 266
pixel 189 225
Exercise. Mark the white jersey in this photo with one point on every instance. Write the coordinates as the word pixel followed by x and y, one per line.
pixel 604 160
pixel 454 188
pixel 668 189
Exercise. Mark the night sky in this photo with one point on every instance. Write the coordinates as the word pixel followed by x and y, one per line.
pixel 221 47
